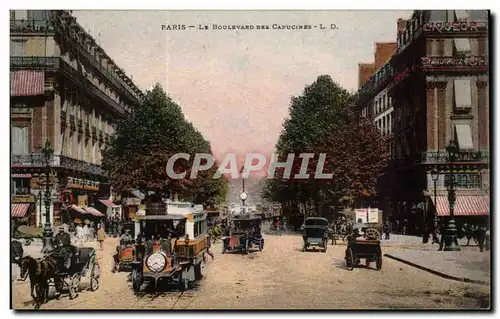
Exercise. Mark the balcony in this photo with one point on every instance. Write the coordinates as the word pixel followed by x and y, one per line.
pixel 462 157
pixel 37 160
pixel 32 26
pixel 58 64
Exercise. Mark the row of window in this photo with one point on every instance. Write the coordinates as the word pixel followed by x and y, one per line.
pixel 384 124
pixel 463 180
pixel 77 147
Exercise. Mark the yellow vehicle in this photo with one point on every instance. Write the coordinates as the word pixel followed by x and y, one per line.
pixel 173 250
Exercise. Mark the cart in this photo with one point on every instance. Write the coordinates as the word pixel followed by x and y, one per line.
pixel 85 266
pixel 315 233
pixel 245 234
pixel 368 249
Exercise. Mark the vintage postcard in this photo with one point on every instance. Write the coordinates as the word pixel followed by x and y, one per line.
pixel 290 160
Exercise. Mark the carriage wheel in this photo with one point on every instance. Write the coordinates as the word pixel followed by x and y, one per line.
pixel 136 280
pixel 199 270
pixel 349 259
pixel 372 233
pixel 94 277
pixel 74 286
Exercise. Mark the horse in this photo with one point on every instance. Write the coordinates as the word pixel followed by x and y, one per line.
pixel 16 251
pixel 30 266
pixel 48 269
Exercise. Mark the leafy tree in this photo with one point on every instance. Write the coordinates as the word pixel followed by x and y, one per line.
pixel 142 144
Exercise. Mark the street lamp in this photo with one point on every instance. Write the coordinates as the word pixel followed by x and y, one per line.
pixel 48 244
pixel 435 177
pixel 450 235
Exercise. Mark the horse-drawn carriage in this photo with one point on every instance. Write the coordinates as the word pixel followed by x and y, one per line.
pixel 367 247
pixel 315 233
pixel 245 234
pixel 50 271
pixel 176 255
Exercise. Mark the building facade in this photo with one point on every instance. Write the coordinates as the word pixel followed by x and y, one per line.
pixel 65 90
pixel 438 84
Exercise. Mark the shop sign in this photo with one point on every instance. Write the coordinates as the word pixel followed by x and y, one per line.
pixel 131 201
pixel 23 199
pixel 455 26
pixel 473 61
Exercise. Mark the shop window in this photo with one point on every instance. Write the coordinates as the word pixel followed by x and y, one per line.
pixel 463 180
pixel 22 186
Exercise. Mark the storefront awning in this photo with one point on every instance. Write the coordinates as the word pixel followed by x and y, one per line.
pixel 473 205
pixel 19 209
pixel 108 203
pixel 27 83
pixel 94 211
pixel 78 209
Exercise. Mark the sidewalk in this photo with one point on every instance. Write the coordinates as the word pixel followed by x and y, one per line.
pixel 398 240
pixel 468 266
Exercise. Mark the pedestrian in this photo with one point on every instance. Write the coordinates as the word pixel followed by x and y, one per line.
pixel 405 226
pixel 442 231
pixel 487 243
pixel 387 229
pixel 481 237
pixel 209 244
pixel 435 232
pixel 100 236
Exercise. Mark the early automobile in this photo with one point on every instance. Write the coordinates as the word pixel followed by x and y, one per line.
pixel 173 250
pixel 315 233
pixel 244 234
pixel 363 246
pixel 125 251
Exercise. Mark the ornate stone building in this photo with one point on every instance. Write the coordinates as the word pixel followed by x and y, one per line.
pixel 438 83
pixel 66 90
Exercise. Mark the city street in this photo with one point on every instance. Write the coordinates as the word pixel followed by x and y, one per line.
pixel 280 277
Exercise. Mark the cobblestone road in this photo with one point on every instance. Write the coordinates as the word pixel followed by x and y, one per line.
pixel 280 277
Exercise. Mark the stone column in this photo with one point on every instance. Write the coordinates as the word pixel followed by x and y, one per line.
pixel 442 118
pixel 483 110
pixel 431 117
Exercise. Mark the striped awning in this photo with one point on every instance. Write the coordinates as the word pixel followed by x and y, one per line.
pixel 108 203
pixel 19 209
pixel 20 175
pixel 93 211
pixel 473 205
pixel 78 209
pixel 27 83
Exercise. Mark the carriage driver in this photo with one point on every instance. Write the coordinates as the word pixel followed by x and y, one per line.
pixel 126 238
pixel 64 249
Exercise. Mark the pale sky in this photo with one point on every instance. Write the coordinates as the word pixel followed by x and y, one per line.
pixel 235 86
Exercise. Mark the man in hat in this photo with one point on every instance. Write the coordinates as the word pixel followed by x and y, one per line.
pixel 64 249
pixel 126 237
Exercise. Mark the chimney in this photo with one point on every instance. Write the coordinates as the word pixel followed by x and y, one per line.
pixel 401 25
pixel 383 52
pixel 365 71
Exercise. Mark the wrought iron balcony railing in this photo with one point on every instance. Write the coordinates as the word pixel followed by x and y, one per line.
pixel 37 159
pixel 442 157
pixel 31 26
pixel 58 64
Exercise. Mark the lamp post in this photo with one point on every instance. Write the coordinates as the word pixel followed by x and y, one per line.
pixel 435 177
pixel 450 235
pixel 48 244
